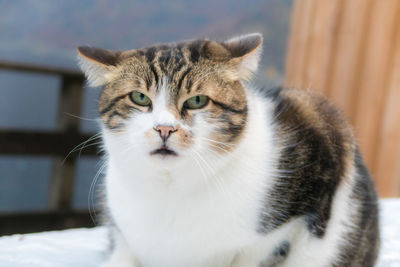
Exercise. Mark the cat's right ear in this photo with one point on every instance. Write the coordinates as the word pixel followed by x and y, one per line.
pixel 245 51
pixel 99 65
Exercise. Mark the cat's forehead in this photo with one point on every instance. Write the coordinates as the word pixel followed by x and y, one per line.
pixel 185 52
pixel 183 66
pixel 172 62
pixel 174 54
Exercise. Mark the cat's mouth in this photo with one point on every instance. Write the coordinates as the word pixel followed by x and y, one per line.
pixel 163 151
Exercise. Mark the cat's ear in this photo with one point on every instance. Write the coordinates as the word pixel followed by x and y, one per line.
pixel 245 52
pixel 99 65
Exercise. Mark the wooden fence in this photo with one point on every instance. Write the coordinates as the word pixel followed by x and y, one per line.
pixel 56 144
pixel 350 52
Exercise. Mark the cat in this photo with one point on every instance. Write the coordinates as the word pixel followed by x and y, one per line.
pixel 204 170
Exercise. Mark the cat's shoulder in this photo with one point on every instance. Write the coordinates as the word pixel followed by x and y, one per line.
pixel 303 99
pixel 305 107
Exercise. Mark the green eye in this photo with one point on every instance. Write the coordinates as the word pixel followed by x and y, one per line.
pixel 140 99
pixel 196 102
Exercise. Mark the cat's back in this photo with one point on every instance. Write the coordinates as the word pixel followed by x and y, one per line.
pixel 318 161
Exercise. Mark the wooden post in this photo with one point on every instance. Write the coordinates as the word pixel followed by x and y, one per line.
pixel 62 183
pixel 350 52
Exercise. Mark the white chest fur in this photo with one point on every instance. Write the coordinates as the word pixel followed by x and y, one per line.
pixel 192 214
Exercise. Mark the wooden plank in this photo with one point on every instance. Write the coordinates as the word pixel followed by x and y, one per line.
pixel 373 86
pixel 292 53
pixel 43 221
pixel 322 41
pixel 75 74
pixel 388 156
pixel 43 143
pixel 397 174
pixel 300 45
pixel 347 62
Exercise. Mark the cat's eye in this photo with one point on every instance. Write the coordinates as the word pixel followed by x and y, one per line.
pixel 196 102
pixel 140 98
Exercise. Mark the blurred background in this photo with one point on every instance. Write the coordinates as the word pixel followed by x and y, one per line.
pixel 347 50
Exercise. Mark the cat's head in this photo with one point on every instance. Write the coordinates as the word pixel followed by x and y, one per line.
pixel 173 101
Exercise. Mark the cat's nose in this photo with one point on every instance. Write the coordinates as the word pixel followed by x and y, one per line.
pixel 165 131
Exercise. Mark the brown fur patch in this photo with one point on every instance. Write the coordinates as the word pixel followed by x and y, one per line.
pixel 185 137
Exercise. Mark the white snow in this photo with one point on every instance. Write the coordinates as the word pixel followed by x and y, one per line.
pixel 87 247
pixel 75 247
pixel 390 233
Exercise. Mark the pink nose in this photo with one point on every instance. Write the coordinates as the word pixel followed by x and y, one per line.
pixel 165 131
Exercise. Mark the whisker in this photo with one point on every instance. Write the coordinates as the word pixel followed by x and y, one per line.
pixel 217 142
pixel 81 118
pixel 89 145
pixel 92 209
pixel 218 147
pixel 217 180
pixel 93 137
pixel 205 180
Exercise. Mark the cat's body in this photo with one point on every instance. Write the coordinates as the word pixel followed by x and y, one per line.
pixel 204 171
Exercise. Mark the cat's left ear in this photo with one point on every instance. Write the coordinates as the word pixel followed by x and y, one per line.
pixel 99 65
pixel 246 53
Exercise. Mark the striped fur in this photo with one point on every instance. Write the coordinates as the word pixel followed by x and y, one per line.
pixel 189 68
pixel 318 152
pixel 249 179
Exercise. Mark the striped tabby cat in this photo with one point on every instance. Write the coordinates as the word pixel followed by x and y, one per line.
pixel 203 170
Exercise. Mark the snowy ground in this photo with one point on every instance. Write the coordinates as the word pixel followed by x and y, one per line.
pixel 85 247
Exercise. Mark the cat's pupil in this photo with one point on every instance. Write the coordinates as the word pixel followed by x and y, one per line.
pixel 197 99
pixel 141 96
